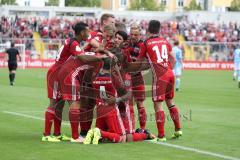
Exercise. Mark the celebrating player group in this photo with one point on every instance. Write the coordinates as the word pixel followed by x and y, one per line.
pixel 101 71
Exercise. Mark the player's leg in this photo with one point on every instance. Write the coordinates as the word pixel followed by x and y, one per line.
pixel 116 131
pixel 238 74
pixel 139 96
pixel 12 72
pixel 160 119
pixel 141 114
pixel 58 121
pixel 74 118
pixel 235 71
pixel 174 113
pixel 178 73
pixel 49 118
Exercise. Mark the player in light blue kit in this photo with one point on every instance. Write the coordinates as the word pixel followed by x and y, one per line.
pixel 236 61
pixel 177 52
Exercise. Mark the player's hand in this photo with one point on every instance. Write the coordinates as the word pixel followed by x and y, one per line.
pixel 111 100
pixel 104 56
pixel 100 49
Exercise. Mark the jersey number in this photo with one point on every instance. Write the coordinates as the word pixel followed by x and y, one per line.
pixel 161 55
pixel 103 94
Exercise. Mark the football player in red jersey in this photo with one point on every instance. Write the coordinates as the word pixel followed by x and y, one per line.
pixel 54 111
pixel 138 87
pixel 70 78
pixel 87 94
pixel 111 90
pixel 157 51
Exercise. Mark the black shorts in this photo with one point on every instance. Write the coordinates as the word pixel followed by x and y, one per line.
pixel 12 66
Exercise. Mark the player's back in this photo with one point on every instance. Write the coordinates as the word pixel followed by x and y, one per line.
pixel 237 56
pixel 158 53
pixel 104 87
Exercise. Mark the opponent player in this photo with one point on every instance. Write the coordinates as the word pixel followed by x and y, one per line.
pixel 158 53
pixel 237 65
pixel 177 52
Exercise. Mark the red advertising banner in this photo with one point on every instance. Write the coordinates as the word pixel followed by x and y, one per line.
pixel 31 63
pixel 187 65
pixel 208 65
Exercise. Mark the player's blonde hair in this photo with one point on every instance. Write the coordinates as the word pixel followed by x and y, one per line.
pixel 135 26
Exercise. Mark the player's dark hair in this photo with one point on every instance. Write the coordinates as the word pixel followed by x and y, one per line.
pixel 176 43
pixel 79 27
pixel 122 34
pixel 154 27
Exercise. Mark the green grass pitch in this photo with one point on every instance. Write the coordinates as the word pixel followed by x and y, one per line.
pixel 209 103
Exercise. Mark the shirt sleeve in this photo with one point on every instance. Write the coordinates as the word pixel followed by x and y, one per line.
pixel 75 49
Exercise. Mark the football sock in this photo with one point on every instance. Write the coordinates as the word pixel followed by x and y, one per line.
pixel 175 117
pixel 178 80
pixel 86 118
pixel 74 115
pixel 57 122
pixel 13 77
pixel 49 117
pixel 160 120
pixel 142 117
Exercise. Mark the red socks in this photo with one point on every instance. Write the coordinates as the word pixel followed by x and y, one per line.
pixel 142 117
pixel 114 137
pixel 57 122
pixel 86 117
pixel 49 117
pixel 74 116
pixel 175 117
pixel 160 120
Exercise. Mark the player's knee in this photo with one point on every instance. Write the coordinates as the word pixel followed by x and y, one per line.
pixel 170 103
pixel 123 139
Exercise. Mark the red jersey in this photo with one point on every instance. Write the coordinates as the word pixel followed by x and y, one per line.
pixel 157 50
pixel 71 47
pixel 93 35
pixel 134 50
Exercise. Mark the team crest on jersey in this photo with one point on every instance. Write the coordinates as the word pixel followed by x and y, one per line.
pixel 127 83
pixel 97 38
pixel 78 49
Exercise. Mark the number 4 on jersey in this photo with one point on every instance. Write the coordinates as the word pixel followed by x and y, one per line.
pixel 163 55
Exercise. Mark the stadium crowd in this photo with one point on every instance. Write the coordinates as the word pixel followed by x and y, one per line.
pixel 60 28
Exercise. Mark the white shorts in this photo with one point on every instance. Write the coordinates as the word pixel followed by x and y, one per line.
pixel 177 71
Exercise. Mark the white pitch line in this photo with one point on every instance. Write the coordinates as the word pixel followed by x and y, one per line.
pixel 160 143
pixel 196 150
pixel 29 116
